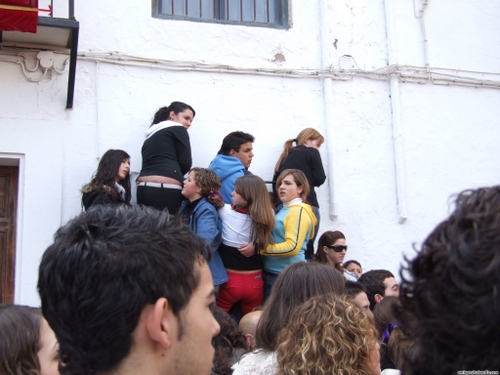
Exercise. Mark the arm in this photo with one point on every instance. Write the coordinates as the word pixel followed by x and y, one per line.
pixel 247 250
pixel 207 225
pixel 183 149
pixel 318 172
pixel 296 223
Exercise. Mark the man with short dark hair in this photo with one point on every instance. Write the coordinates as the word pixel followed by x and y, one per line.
pixel 128 291
pixel 379 284
pixel 450 294
pixel 357 293
pixel 232 161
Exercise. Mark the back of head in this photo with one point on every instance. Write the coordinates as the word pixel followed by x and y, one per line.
pixel 302 138
pixel 309 134
pixel 248 323
pixel 19 339
pixel 228 339
pixel 233 141
pixel 374 283
pixel 103 268
pixel 384 313
pixel 296 284
pixel 450 299
pixel 253 190
pixel 327 335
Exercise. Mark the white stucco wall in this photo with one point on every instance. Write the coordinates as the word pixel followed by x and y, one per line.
pixel 449 133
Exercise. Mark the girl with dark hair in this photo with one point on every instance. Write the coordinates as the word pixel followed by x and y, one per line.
pixel 331 251
pixel 110 184
pixel 305 157
pixel 166 158
pixel 201 189
pixel 27 344
pixel 250 219
pixel 294 227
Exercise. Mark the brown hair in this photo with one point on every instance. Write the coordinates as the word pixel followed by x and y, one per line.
pixel 302 138
pixel 327 334
pixel 209 183
pixel 253 190
pixel 384 312
pixel 328 238
pixel 398 347
pixel 300 179
pixel 295 284
pixel 19 340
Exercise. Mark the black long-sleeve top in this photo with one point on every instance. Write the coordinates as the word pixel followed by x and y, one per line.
pixel 167 153
pixel 307 160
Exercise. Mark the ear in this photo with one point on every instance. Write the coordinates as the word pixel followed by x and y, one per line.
pixel 249 339
pixel 171 115
pixel 232 152
pixel 161 323
pixel 325 249
pixel 300 189
pixel 378 298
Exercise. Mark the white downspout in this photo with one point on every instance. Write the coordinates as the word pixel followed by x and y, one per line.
pixel 396 115
pixel 328 106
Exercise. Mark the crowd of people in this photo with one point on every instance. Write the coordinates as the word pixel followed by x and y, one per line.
pixel 212 274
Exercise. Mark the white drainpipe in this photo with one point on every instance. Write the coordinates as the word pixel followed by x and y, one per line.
pixel 328 106
pixel 397 135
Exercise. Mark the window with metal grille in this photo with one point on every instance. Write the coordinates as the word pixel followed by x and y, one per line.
pixel 267 13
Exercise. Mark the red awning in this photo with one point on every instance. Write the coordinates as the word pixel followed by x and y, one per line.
pixel 19 15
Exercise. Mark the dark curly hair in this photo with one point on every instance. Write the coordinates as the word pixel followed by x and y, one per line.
pixel 450 290
pixel 228 339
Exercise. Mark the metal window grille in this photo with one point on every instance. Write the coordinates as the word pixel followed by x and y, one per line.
pixel 271 13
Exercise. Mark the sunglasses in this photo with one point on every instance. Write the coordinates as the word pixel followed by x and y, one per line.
pixel 337 248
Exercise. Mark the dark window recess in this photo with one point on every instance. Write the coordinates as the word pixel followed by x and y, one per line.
pixel 266 13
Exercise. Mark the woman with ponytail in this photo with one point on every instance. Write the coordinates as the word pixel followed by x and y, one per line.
pixel 166 158
pixel 305 157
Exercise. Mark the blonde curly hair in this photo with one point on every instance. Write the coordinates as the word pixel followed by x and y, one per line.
pixel 327 335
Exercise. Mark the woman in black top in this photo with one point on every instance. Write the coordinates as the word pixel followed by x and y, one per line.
pixel 305 157
pixel 110 184
pixel 166 158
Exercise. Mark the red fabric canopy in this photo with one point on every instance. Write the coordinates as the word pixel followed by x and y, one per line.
pixel 19 15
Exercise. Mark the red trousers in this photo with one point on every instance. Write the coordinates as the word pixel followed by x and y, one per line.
pixel 246 288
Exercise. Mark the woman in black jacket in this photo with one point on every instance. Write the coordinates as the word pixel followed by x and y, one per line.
pixel 166 158
pixel 110 184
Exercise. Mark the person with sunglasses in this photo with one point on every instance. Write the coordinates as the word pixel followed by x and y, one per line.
pixel 332 249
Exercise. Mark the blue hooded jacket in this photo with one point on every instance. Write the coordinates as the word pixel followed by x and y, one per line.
pixel 228 168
